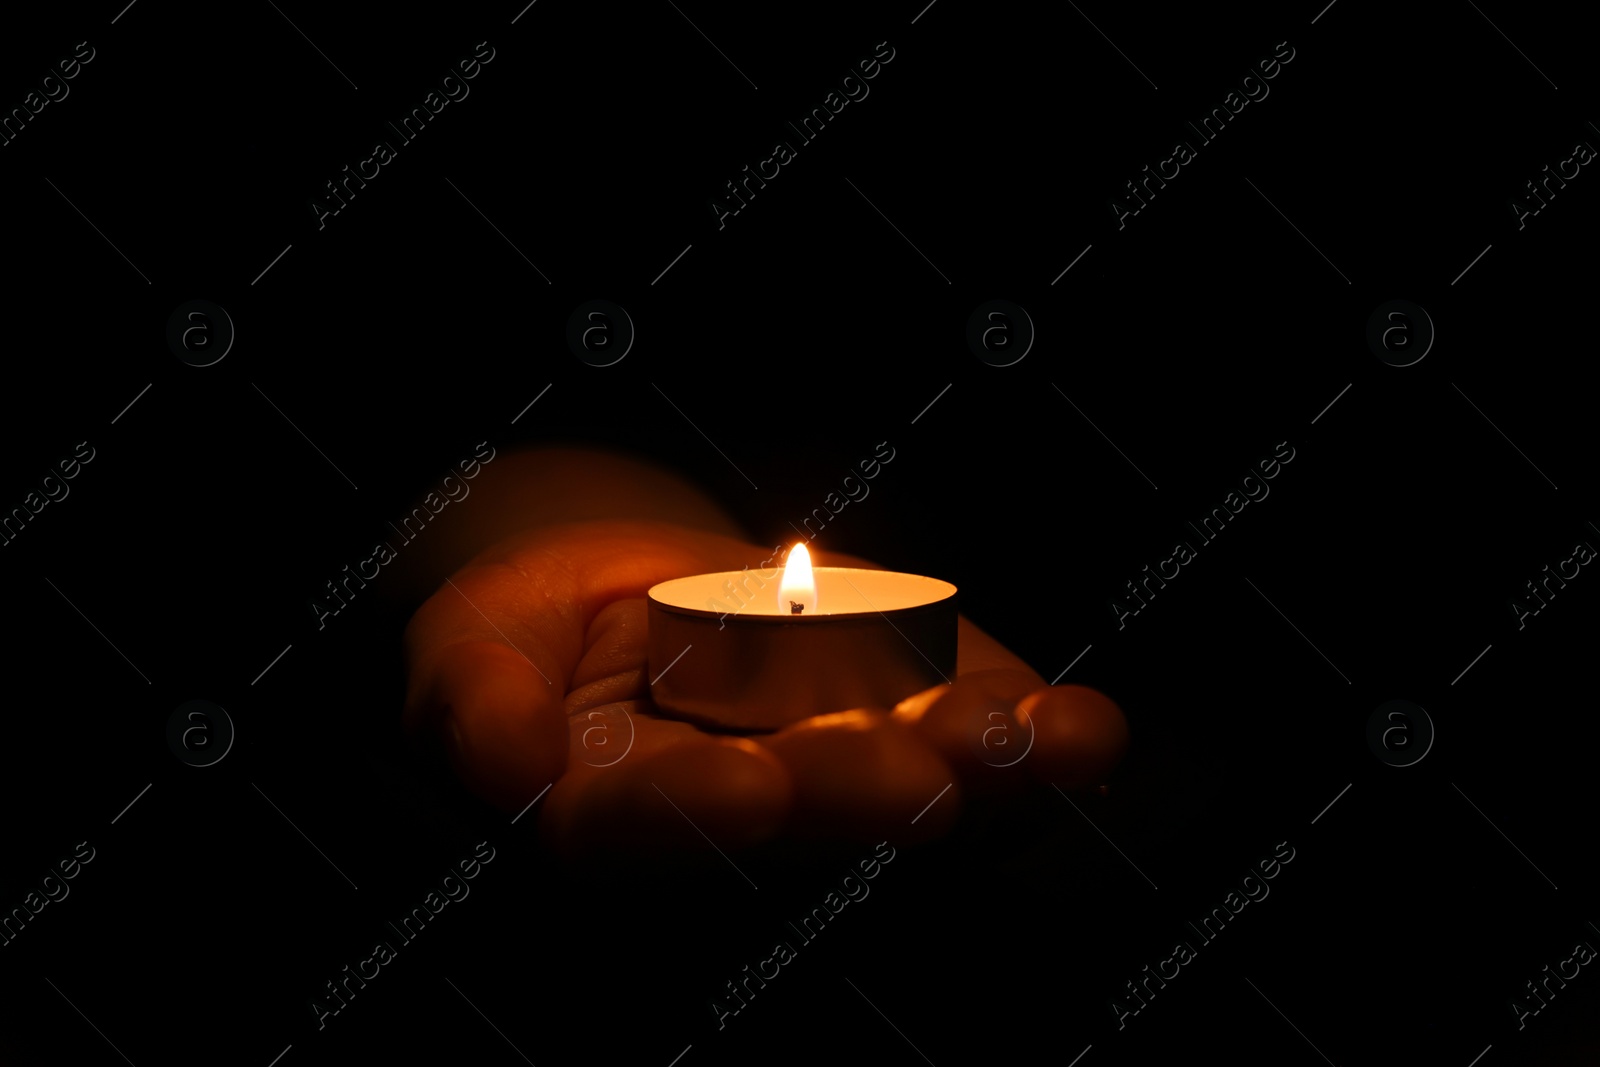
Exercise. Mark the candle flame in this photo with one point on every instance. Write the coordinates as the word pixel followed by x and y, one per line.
pixel 797 592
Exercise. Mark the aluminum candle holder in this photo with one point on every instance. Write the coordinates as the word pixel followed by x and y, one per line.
pixel 828 639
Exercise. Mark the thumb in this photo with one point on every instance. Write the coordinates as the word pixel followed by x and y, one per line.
pixel 508 645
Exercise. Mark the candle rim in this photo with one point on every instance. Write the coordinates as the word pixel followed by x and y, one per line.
pixel 950 593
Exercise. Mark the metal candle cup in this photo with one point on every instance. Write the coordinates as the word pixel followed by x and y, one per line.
pixel 864 639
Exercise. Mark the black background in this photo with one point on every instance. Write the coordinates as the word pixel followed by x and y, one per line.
pixel 798 336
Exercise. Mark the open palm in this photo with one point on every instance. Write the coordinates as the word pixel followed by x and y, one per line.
pixel 529 664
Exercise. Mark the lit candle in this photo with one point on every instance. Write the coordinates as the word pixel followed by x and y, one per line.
pixel 736 650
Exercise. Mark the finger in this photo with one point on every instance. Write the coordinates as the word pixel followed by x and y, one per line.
pixel 859 775
pixel 972 723
pixel 1080 735
pixel 677 790
pixel 613 667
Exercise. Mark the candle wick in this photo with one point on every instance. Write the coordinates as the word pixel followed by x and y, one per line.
pixel 795 607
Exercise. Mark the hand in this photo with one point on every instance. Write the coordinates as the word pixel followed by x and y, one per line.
pixel 530 665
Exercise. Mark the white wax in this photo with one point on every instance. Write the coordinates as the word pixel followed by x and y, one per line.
pixel 840 591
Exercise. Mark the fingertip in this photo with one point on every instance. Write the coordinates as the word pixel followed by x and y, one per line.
pixel 1081 735
pixel 973 726
pixel 913 707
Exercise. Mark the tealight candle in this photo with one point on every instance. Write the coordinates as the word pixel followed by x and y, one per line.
pixel 737 651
